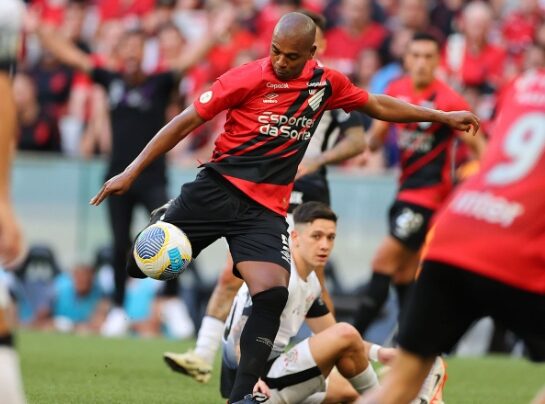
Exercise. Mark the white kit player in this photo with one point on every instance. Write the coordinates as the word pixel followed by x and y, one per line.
pixel 299 375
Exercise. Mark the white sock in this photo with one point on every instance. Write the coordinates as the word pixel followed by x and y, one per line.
pixel 365 380
pixel 209 338
pixel 11 385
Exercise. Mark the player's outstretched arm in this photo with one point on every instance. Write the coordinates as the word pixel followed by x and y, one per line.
pixel 172 133
pixel 219 25
pixel 62 48
pixel 391 109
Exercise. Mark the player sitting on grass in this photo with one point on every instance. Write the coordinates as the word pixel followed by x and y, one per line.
pixel 299 374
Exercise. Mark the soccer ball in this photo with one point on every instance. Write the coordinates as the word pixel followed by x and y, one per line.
pixel 162 251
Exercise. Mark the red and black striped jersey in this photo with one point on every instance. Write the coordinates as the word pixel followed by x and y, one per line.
pixel 495 223
pixel 426 148
pixel 269 124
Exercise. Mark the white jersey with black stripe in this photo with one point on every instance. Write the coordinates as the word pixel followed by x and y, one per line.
pixel 302 295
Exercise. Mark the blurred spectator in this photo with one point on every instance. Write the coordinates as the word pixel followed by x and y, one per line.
pixel 88 104
pixel 392 65
pixel 79 303
pixel 414 15
pixel 38 130
pixel 366 66
pixel 151 313
pixel 267 19
pixel 470 59
pixel 356 31
pixel 540 35
pixel 33 287
pixel 443 14
pixel 53 82
pixel 519 27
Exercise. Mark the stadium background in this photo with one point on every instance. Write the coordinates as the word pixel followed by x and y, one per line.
pixel 57 171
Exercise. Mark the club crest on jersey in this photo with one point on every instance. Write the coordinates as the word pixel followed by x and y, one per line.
pixel 316 99
pixel 270 98
pixel 205 97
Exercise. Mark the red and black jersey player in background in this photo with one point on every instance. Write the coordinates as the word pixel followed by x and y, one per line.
pixel 427 175
pixel 273 107
pixel 485 256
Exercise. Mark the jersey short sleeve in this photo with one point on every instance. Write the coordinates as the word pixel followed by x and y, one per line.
pixel 228 91
pixel 318 309
pixel 345 95
pixel 458 103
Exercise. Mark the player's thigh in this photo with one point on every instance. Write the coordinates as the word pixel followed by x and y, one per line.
pixel 328 345
pixel 439 311
pixel 260 235
pixel 203 210
pixel 294 376
pixel 153 197
pixel 391 256
pixel 520 311
pixel 409 223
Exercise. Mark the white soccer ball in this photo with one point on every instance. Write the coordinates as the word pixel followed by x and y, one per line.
pixel 162 251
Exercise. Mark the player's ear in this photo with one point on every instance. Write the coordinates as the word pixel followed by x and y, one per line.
pixel 294 235
pixel 312 51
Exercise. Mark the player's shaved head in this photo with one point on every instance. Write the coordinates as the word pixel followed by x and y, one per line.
pixel 296 26
pixel 292 45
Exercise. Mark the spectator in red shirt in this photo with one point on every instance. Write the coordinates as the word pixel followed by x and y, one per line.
pixel 356 32
pixel 470 59
pixel 519 27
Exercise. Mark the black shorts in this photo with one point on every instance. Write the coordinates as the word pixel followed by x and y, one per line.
pixel 409 223
pixel 210 207
pixel 311 187
pixel 447 300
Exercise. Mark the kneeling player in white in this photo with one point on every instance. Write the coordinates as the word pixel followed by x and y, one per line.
pixel 299 374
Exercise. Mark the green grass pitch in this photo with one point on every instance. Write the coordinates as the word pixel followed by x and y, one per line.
pixel 70 369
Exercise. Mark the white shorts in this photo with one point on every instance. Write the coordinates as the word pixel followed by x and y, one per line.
pixel 294 377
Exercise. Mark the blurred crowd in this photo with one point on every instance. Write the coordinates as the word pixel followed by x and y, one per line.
pixel 65 111
pixel 50 298
pixel 61 110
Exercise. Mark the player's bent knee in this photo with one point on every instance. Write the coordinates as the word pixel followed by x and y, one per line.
pixel 229 281
pixel 348 334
